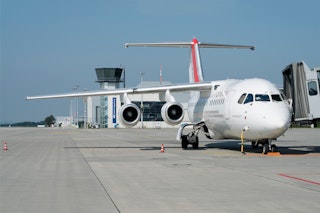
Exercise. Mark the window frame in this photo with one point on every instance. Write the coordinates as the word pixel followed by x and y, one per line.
pixel 312 91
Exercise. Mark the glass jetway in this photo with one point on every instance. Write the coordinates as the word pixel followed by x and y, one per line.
pixel 302 85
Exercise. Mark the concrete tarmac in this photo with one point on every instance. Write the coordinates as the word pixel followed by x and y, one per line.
pixel 123 170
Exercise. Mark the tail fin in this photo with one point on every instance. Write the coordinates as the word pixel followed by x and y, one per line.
pixel 195 69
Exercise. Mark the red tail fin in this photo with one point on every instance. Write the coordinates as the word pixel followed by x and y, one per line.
pixel 195 69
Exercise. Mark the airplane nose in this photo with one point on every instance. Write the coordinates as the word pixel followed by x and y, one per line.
pixel 269 120
pixel 281 123
pixel 279 120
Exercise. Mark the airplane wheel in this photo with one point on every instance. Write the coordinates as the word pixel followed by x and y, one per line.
pixel 265 148
pixel 273 148
pixel 195 145
pixel 184 142
pixel 254 145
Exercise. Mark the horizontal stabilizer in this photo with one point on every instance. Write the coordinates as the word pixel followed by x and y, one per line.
pixel 188 44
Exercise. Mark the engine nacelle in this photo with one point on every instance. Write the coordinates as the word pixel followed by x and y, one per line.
pixel 172 113
pixel 129 114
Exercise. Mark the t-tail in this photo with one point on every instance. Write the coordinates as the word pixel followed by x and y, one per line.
pixel 195 68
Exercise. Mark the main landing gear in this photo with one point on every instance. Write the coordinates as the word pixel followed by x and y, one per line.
pixel 267 146
pixel 190 138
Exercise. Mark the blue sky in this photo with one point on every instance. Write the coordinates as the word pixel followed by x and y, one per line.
pixel 49 46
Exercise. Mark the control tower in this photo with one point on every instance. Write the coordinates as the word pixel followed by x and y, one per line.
pixel 109 78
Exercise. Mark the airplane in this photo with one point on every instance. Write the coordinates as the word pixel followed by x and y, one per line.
pixel 222 109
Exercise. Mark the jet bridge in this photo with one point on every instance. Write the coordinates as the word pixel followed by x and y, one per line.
pixel 302 85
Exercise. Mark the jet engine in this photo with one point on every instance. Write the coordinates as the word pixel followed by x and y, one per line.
pixel 172 113
pixel 129 114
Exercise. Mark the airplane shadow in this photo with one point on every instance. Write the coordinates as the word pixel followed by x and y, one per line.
pixel 236 145
pixel 144 148
pixel 223 145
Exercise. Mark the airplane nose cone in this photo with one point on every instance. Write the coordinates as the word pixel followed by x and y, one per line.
pixel 278 121
pixel 269 120
pixel 281 123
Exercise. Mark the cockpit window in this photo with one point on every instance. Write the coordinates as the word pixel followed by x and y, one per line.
pixel 262 97
pixel 249 99
pixel 276 98
pixel 240 101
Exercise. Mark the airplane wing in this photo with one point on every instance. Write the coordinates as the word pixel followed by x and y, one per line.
pixel 172 88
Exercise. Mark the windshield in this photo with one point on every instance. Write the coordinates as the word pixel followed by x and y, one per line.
pixel 262 97
pixel 249 98
pixel 240 101
pixel 276 98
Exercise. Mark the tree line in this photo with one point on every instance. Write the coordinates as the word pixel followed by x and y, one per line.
pixel 48 121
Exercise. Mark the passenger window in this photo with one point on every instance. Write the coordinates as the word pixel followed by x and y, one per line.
pixel 276 98
pixel 240 101
pixel 261 97
pixel 249 99
pixel 312 87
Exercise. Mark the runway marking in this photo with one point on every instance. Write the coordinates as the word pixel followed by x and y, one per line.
pixel 300 179
pixel 100 182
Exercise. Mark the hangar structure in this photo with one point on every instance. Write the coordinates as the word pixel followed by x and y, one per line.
pixel 102 111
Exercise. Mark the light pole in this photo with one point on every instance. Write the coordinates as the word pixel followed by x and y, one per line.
pixel 76 117
pixel 85 101
pixel 141 104
pixel 71 110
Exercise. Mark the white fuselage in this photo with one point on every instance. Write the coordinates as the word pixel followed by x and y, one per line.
pixel 255 105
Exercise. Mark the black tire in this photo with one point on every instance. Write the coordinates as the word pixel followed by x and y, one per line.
pixel 195 145
pixel 273 148
pixel 254 145
pixel 265 148
pixel 184 141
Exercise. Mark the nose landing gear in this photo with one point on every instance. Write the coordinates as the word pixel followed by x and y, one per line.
pixel 267 145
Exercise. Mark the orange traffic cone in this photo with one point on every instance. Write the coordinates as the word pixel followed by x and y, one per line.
pixel 162 148
pixel 5 147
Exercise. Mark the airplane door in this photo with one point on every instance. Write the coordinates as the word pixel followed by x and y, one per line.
pixel 228 100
